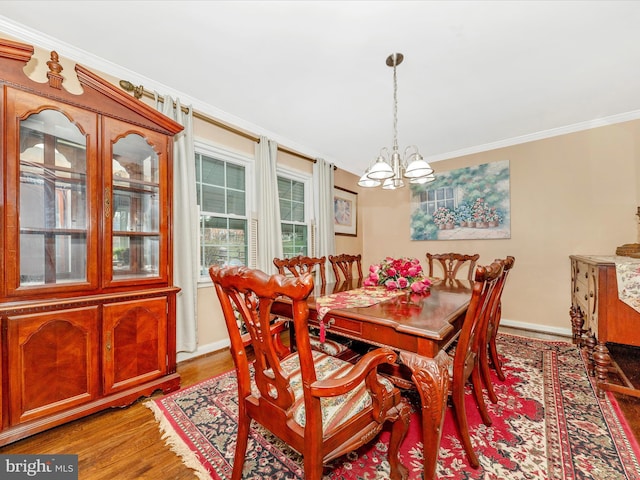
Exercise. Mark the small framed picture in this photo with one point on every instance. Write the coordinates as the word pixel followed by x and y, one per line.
pixel 345 212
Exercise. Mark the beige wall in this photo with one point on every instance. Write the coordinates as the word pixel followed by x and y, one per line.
pixel 573 193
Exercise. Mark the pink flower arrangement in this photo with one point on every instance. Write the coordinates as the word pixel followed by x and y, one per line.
pixel 398 273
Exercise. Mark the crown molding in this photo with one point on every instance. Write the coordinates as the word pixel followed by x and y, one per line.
pixel 531 137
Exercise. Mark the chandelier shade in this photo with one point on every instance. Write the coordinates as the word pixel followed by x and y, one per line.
pixel 389 169
pixel 380 170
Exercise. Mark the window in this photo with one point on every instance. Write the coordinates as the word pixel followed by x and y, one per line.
pixel 433 199
pixel 223 200
pixel 293 194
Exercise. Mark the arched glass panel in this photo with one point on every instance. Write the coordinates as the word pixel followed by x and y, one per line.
pixel 53 214
pixel 135 205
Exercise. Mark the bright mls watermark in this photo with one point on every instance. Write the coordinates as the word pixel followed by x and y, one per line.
pixel 50 467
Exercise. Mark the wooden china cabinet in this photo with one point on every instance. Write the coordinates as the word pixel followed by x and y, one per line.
pixel 87 303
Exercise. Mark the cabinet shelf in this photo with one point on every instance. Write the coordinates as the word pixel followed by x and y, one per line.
pixel 127 233
pixel 53 231
pixel 135 185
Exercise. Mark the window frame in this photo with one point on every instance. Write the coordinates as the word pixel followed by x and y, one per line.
pixel 202 147
pixel 306 180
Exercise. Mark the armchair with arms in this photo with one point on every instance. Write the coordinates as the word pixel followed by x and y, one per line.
pixel 321 406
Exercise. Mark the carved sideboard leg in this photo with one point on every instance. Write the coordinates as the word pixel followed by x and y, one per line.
pixel 431 378
pixel 602 360
pixel 590 343
pixel 577 322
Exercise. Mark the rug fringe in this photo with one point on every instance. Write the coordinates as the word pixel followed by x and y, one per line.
pixel 176 444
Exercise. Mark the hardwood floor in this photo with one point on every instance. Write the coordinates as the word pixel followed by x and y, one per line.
pixel 126 443
pixel 123 444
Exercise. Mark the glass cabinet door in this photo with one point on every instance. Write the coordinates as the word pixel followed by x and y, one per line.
pixel 136 210
pixel 53 199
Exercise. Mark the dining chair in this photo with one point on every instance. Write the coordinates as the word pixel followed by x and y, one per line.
pixel 343 266
pixel 321 406
pixel 451 263
pixel 465 353
pixel 490 353
pixel 332 344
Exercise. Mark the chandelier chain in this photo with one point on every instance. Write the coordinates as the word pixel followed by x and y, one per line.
pixel 395 106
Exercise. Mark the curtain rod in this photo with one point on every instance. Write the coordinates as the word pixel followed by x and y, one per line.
pixel 139 92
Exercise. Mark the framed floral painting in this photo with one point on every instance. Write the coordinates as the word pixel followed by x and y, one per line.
pixel 467 203
pixel 345 212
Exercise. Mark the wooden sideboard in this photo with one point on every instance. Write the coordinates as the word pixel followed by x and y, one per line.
pixel 598 316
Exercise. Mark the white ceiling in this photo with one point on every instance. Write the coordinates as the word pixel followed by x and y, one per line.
pixel 312 74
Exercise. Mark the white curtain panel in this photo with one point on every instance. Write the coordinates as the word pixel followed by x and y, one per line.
pixel 269 228
pixel 186 263
pixel 323 192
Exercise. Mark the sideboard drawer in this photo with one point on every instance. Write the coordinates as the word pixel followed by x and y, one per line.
pixel 585 291
pixel 582 290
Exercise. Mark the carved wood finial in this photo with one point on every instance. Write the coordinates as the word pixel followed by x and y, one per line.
pixel 55 79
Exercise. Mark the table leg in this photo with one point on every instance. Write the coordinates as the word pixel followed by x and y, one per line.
pixel 431 378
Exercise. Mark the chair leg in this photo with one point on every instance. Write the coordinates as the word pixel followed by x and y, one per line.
pixel 486 375
pixel 241 443
pixel 457 397
pixel 398 433
pixel 477 392
pixel 493 349
pixel 495 359
pixel 312 467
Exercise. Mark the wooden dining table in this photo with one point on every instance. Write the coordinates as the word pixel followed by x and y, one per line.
pixel 418 326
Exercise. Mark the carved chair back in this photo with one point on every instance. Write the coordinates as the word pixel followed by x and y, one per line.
pixel 303 264
pixel 467 350
pixel 451 263
pixel 489 343
pixel 344 264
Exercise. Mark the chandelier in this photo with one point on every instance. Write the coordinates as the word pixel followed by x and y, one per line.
pixel 390 168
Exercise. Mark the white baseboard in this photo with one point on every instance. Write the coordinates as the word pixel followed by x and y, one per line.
pixel 203 350
pixel 534 327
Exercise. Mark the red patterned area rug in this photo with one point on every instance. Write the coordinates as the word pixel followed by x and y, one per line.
pixel 547 424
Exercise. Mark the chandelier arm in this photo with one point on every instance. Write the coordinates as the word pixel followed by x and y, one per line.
pixel 409 148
